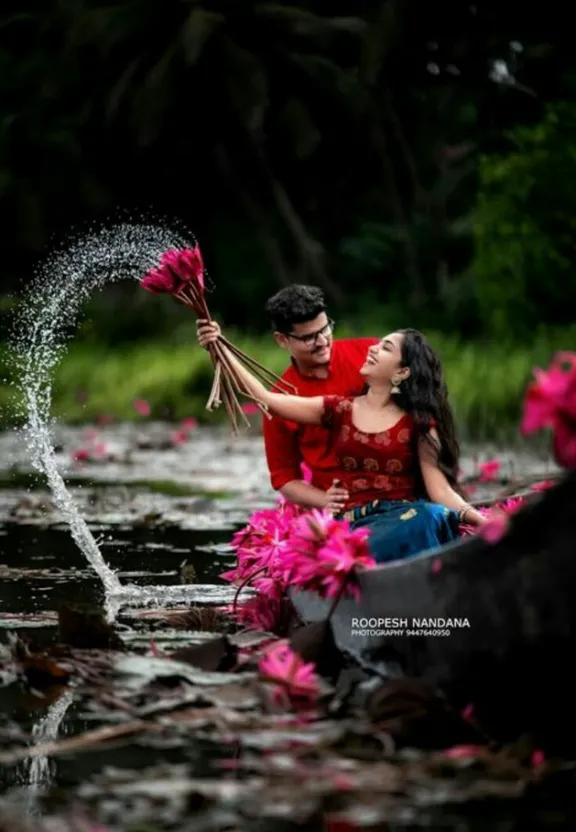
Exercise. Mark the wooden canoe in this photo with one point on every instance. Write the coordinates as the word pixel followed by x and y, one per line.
pixel 513 662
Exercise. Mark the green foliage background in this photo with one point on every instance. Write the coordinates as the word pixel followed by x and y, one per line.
pixel 415 160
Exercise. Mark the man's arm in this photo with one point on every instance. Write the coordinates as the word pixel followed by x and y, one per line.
pixel 304 494
pixel 283 458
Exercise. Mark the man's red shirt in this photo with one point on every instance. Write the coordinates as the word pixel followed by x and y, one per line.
pixel 288 444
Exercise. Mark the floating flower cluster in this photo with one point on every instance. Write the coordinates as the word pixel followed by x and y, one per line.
pixel 181 273
pixel 325 555
pixel 284 547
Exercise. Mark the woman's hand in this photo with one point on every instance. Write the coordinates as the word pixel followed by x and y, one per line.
pixel 471 517
pixel 337 497
pixel 207 331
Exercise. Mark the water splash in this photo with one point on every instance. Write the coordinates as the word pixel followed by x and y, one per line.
pixel 44 324
pixel 40 768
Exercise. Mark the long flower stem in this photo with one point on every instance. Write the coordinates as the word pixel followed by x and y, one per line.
pixel 244 583
pixel 227 383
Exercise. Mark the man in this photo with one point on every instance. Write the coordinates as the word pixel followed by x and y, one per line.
pixel 320 366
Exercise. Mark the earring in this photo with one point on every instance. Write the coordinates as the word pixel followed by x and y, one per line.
pixel 395 386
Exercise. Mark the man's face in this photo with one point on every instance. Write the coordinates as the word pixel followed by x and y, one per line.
pixel 309 343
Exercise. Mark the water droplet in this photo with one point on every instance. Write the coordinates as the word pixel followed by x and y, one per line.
pixel 45 322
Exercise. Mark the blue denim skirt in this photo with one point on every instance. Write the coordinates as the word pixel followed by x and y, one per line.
pixel 400 529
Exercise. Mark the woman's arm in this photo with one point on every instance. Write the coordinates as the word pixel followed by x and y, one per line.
pixel 301 409
pixel 438 488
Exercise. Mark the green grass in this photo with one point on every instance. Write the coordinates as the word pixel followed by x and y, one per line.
pixel 486 380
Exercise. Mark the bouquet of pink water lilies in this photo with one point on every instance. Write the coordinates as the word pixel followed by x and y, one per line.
pixel 181 273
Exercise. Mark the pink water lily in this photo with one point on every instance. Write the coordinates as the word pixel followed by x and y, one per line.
pixel 286 547
pixel 186 263
pixel 177 267
pixel 550 402
pixel 178 437
pixel 511 505
pixel 489 470
pixel 160 281
pixel 542 486
pixel 81 455
pixel 264 611
pixel 295 683
pixel 263 537
pixel 90 453
pixel 496 526
pixel 325 555
pixel 141 406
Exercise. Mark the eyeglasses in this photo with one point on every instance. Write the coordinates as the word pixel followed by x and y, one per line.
pixel 311 340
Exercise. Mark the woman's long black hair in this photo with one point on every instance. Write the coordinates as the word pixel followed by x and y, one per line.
pixel 425 396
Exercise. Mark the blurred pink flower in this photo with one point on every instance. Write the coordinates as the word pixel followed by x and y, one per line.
pixel 550 402
pixel 296 683
pixel 250 409
pixel 141 406
pixel 284 546
pixel 81 455
pixel 542 486
pixel 489 470
pixel 495 527
pixel 511 505
pixel 262 540
pixel 264 611
pixel 185 264
pixel 178 437
pixel 90 452
pixel 324 555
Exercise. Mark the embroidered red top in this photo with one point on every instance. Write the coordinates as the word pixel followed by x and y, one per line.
pixel 376 466
pixel 289 444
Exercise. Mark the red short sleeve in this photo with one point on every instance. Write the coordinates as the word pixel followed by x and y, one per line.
pixel 333 411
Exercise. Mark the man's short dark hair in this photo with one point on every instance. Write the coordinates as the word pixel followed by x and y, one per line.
pixel 295 304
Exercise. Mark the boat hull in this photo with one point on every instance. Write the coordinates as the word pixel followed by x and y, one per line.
pixel 518 597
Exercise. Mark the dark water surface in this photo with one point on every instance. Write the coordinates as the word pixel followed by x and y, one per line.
pixel 155 544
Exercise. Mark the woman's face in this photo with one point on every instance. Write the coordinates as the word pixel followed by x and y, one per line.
pixel 384 360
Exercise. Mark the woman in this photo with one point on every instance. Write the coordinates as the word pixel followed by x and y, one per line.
pixel 396 444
